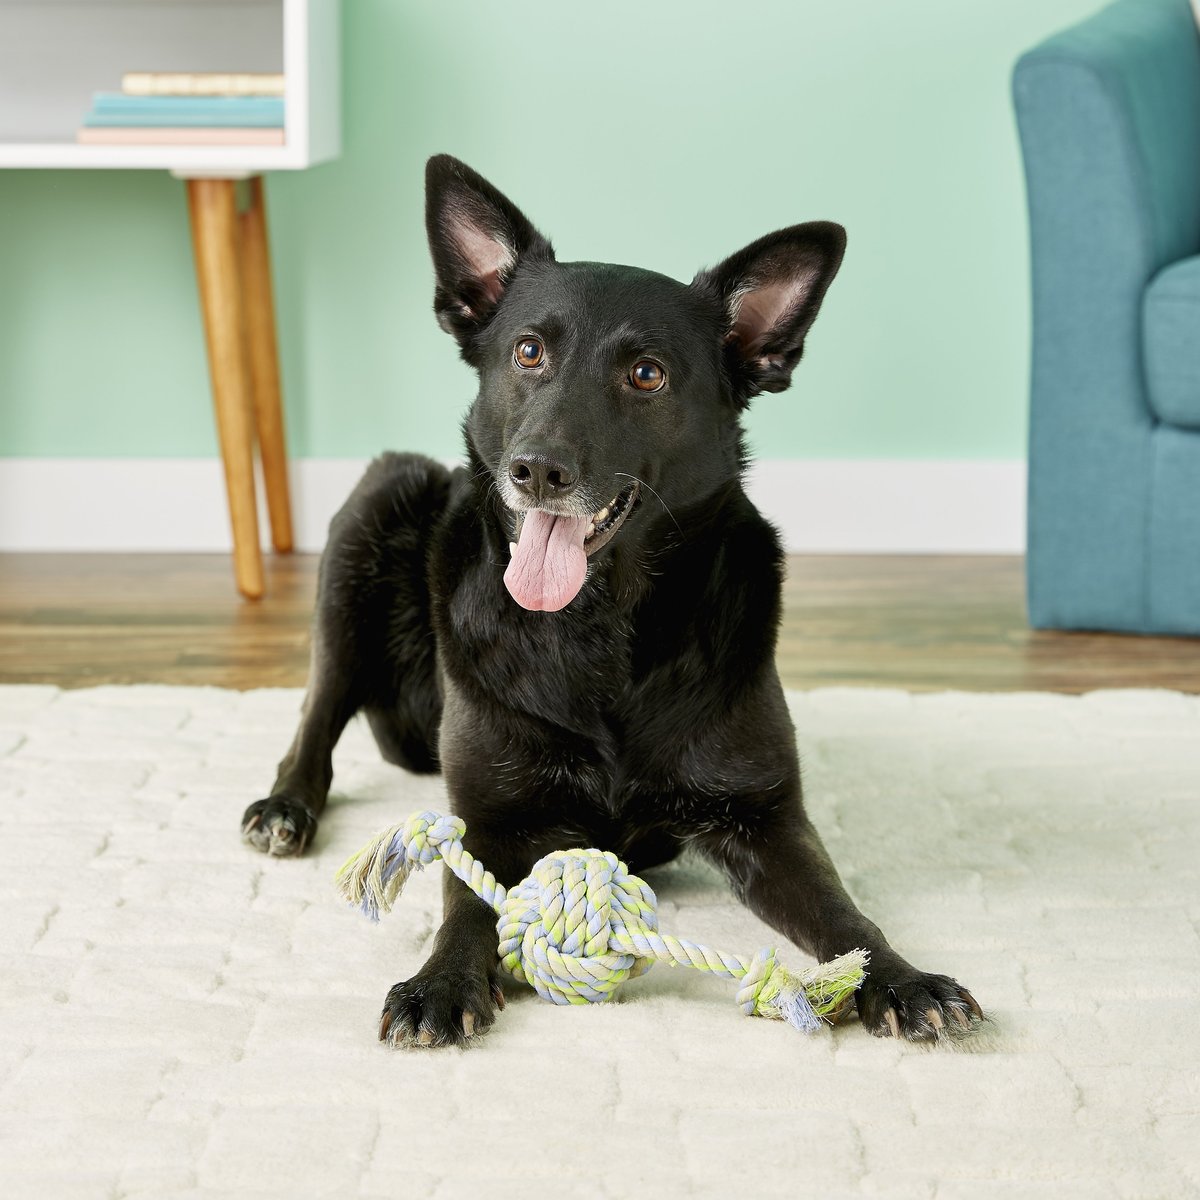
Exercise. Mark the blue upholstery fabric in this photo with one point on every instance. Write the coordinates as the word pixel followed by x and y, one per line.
pixel 1171 343
pixel 1109 116
pixel 1174 531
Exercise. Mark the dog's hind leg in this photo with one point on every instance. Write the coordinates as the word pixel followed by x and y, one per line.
pixel 407 734
pixel 283 824
pixel 372 646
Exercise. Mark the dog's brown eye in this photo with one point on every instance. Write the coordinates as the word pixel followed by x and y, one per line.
pixel 529 353
pixel 647 376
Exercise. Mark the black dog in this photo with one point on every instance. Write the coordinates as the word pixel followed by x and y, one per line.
pixel 579 628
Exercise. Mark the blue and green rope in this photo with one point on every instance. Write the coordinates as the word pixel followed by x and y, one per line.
pixel 580 924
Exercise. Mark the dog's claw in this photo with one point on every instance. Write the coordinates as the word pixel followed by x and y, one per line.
pixel 498 995
pixel 438 1009
pixel 898 1001
pixel 278 826
pixel 972 1002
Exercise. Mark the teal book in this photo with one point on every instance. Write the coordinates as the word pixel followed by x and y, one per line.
pixel 117 109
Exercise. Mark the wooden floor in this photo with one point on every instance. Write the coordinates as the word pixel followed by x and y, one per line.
pixel 913 622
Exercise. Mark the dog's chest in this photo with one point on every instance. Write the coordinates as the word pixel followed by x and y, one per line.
pixel 621 714
pixel 572 672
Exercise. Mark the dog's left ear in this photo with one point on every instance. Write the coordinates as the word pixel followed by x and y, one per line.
pixel 477 237
pixel 771 292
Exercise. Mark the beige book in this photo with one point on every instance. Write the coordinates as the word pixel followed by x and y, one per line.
pixel 199 83
pixel 126 135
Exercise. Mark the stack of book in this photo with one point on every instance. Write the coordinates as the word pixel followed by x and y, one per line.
pixel 188 110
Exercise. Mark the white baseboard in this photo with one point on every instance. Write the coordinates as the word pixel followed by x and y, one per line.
pixel 820 506
pixel 893 506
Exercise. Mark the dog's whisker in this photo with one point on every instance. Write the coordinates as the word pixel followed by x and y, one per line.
pixel 643 483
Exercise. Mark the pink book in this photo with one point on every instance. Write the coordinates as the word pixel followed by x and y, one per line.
pixel 131 136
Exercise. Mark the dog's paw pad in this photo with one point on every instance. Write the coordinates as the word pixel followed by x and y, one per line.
pixel 439 1010
pixel 278 826
pixel 919 1008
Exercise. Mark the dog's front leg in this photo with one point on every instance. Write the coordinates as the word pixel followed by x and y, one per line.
pixel 455 995
pixel 780 869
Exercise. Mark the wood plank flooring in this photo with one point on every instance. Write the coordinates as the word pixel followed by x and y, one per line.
pixel 917 622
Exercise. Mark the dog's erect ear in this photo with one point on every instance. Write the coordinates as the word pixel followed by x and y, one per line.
pixel 476 236
pixel 771 292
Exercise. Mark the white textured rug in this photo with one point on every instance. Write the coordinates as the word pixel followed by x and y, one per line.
pixel 182 1017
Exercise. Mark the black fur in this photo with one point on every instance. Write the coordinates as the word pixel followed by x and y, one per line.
pixel 646 716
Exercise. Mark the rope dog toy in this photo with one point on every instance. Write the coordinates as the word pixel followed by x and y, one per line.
pixel 580 924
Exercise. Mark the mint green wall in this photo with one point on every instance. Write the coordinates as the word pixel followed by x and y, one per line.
pixel 665 133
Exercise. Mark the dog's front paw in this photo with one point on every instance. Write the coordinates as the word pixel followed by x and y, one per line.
pixel 440 1008
pixel 278 826
pixel 901 1001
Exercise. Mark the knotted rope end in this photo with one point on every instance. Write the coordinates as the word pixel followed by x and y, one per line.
pixel 794 1007
pixel 374 876
pixel 807 1000
pixel 831 986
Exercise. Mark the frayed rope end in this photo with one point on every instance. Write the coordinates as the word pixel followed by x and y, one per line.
pixel 792 1006
pixel 807 1000
pixel 372 878
pixel 830 986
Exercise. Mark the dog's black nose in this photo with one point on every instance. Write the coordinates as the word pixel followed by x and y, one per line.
pixel 543 474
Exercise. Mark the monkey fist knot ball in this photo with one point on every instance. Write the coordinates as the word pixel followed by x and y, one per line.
pixel 572 928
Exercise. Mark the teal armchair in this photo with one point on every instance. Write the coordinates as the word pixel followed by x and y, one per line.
pixel 1109 118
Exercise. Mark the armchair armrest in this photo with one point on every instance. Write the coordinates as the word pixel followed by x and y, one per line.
pixel 1109 117
pixel 1109 114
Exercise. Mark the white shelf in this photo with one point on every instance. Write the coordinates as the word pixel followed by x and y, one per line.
pixel 182 160
pixel 55 53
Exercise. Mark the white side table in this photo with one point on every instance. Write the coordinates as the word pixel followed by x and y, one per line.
pixel 55 53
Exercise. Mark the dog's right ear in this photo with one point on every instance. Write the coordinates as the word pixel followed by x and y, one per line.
pixel 477 237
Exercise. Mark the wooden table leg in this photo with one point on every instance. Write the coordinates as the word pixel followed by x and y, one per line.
pixel 213 206
pixel 264 365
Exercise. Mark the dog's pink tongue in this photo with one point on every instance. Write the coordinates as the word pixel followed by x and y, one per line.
pixel 549 564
